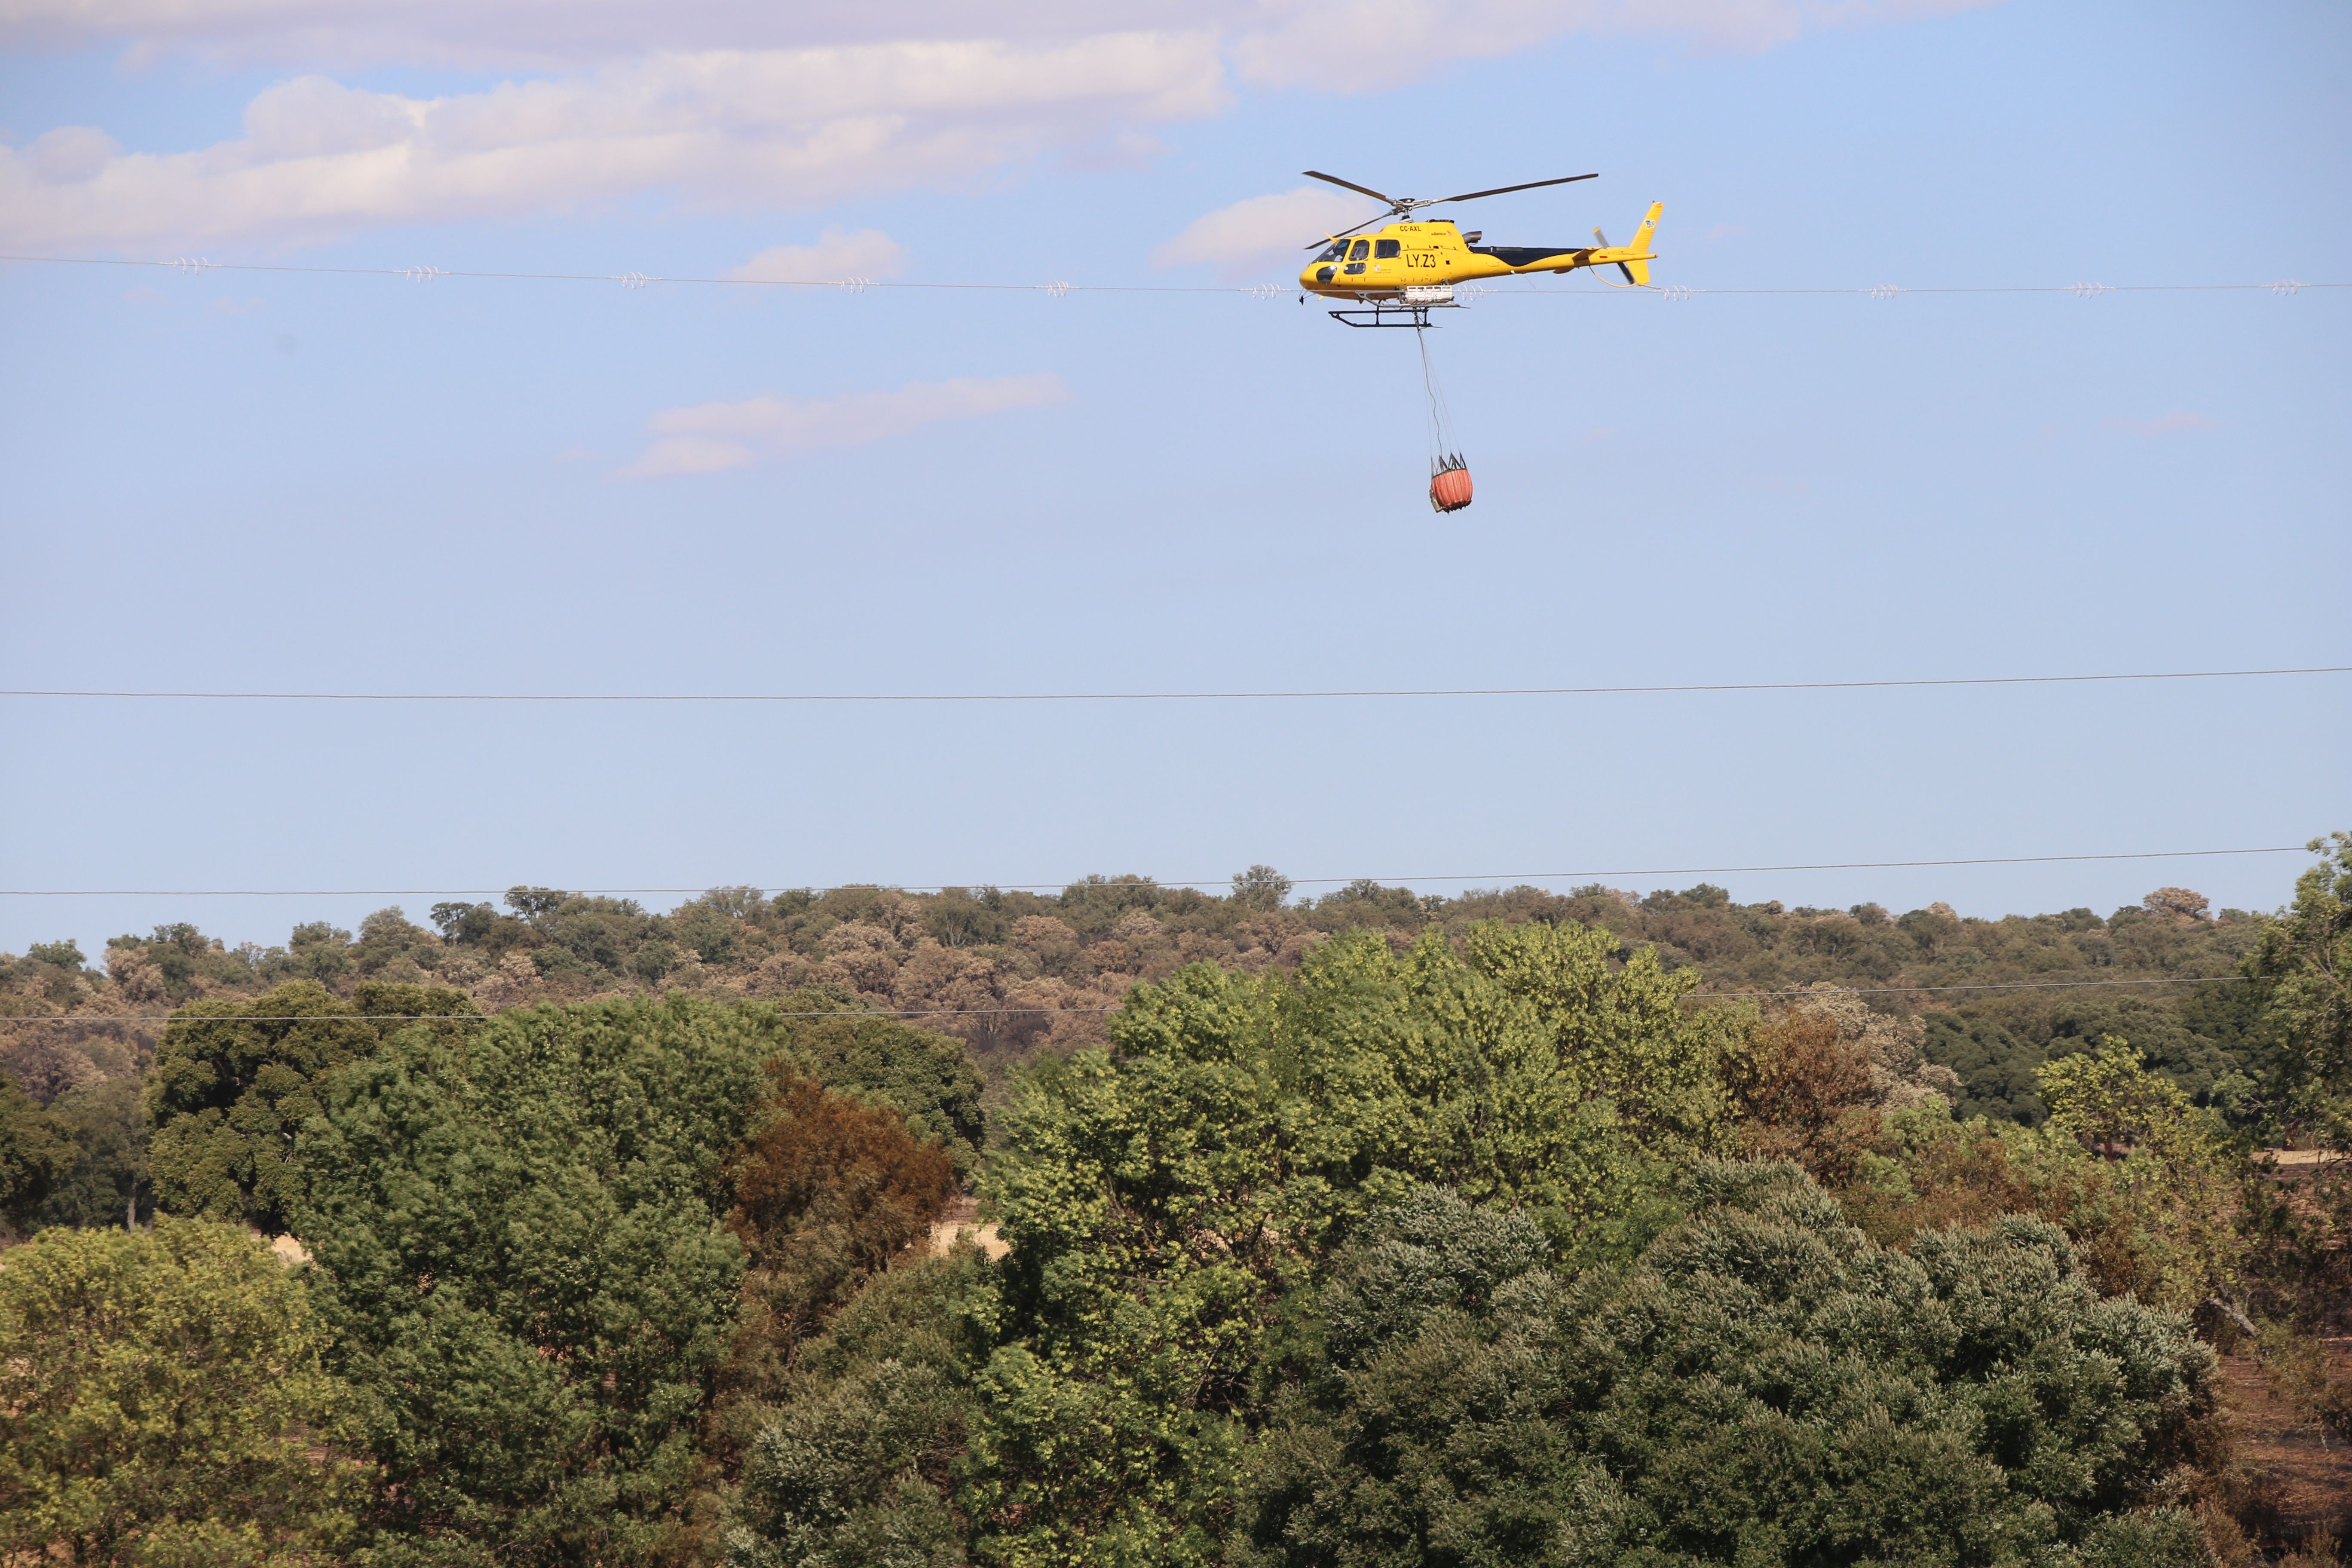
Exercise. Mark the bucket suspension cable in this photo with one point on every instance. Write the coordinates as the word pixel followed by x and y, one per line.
pixel 1449 476
pixel 1441 452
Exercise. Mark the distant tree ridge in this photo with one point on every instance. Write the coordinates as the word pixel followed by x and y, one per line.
pixel 1008 971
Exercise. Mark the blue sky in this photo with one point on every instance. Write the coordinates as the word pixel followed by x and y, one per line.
pixel 248 480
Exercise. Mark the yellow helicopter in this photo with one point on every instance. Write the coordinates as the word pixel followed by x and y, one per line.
pixel 1413 265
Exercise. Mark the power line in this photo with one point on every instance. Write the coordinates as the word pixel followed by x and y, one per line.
pixel 1003 1011
pixel 1496 876
pixel 472 1017
pixel 1170 696
pixel 1059 288
pixel 2283 286
pixel 2003 986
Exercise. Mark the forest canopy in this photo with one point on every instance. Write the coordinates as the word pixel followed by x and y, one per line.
pixel 1365 1228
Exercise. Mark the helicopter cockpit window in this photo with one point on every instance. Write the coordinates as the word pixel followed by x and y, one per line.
pixel 1387 248
pixel 1363 248
pixel 1334 253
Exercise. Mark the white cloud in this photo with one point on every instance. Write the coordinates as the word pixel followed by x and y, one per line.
pixel 548 35
pixel 1328 43
pixel 836 255
pixel 711 437
pixel 1358 44
pixel 759 106
pixel 1250 235
pixel 70 154
pixel 725 128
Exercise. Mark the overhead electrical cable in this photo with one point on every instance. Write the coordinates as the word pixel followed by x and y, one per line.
pixel 193 265
pixel 1997 985
pixel 1677 292
pixel 1003 1011
pixel 1492 877
pixel 1203 696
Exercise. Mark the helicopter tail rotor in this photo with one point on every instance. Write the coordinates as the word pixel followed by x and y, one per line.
pixel 1632 260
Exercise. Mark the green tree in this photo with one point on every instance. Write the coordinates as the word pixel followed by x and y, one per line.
pixel 1364 902
pixel 2112 1103
pixel 179 955
pixel 1618 1034
pixel 598 936
pixel 522 1244
pixel 162 1402
pixel 519 1245
pixel 319 951
pixel 536 904
pixel 2304 967
pixel 2178 1177
pixel 958 917
pixel 1261 888
pixel 926 1077
pixel 36 1153
pixel 106 1181
pixel 387 940
pixel 479 925
pixel 856 1467
pixel 1162 1201
pixel 234 1082
pixel 1763 1387
pixel 1996 1068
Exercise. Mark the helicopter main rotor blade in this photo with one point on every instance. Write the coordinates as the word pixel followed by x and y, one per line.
pixel 1336 180
pixel 1503 190
pixel 1407 207
pixel 1344 232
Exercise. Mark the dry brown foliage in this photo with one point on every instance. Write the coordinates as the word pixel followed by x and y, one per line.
pixel 827 1193
pixel 831 1190
pixel 1802 1092
pixel 1969 1177
pixel 2184 904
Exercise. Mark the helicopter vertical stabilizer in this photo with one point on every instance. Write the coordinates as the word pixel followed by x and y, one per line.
pixel 1637 264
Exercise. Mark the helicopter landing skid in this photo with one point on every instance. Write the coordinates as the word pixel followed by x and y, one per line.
pixel 1415 313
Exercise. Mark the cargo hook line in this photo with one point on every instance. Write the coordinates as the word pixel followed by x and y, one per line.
pixel 1441 439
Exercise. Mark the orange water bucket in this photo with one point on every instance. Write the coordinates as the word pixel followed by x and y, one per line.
pixel 1449 487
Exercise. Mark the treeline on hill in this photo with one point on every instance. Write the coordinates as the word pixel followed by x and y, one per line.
pixel 1469 1234
pixel 984 954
